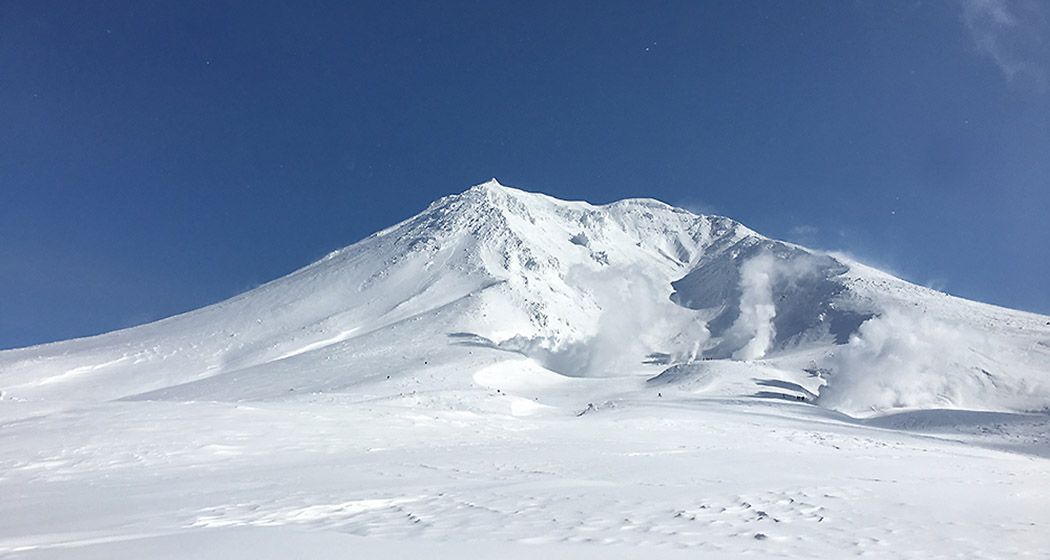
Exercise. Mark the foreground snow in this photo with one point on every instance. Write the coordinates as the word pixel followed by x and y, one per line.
pixel 669 476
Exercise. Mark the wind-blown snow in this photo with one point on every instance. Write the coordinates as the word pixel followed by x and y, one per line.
pixel 511 373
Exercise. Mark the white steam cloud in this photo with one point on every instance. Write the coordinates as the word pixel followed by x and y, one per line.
pixel 754 329
pixel 905 359
pixel 637 318
pixel 757 309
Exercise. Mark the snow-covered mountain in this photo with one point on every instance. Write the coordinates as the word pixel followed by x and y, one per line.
pixel 507 375
pixel 633 288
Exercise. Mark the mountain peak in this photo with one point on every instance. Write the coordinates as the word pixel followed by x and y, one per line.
pixel 494 189
pixel 491 184
pixel 488 192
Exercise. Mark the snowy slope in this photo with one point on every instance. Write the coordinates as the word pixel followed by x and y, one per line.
pixel 509 375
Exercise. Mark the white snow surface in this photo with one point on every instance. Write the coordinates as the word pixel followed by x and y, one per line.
pixel 509 375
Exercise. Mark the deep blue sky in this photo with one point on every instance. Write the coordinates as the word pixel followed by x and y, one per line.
pixel 156 157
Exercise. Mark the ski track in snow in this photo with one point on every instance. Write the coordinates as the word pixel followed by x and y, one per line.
pixel 319 344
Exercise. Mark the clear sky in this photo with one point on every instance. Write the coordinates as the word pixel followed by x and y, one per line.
pixel 156 157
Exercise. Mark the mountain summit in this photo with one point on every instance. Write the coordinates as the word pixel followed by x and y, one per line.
pixel 496 286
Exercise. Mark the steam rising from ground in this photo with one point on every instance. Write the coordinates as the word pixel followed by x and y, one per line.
pixel 764 279
pixel 757 309
pixel 907 359
pixel 636 319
